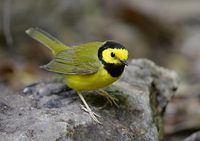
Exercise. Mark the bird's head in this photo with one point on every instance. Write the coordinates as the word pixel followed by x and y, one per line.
pixel 113 53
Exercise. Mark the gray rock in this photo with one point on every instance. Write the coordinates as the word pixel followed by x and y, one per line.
pixel 194 137
pixel 143 93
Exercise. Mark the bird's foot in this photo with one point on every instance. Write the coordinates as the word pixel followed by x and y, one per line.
pixel 111 99
pixel 88 110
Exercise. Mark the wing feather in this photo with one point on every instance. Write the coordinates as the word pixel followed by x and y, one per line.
pixel 81 60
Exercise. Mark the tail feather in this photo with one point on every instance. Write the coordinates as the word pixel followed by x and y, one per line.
pixel 46 39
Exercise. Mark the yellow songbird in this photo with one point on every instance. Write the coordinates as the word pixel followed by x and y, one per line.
pixel 85 67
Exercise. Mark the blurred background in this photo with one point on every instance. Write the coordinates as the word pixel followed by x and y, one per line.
pixel 165 31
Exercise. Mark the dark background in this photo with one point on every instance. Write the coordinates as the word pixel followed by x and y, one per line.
pixel 165 31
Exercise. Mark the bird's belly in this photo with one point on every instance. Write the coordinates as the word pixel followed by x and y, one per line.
pixel 90 82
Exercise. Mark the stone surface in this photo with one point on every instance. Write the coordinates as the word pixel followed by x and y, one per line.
pixel 43 114
pixel 194 137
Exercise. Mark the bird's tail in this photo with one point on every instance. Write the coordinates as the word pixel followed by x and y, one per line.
pixel 46 39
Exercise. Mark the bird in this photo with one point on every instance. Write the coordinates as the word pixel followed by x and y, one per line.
pixel 85 67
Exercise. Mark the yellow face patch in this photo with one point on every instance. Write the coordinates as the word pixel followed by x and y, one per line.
pixel 114 55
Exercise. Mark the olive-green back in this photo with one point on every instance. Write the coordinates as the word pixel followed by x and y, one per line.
pixel 82 59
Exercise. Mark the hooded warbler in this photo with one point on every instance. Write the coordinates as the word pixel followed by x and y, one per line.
pixel 85 67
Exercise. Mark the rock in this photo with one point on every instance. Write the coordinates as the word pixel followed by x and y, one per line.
pixel 143 94
pixel 194 137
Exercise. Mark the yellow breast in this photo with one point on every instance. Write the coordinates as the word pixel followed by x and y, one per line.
pixel 90 82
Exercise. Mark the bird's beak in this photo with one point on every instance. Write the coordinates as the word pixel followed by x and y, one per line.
pixel 124 62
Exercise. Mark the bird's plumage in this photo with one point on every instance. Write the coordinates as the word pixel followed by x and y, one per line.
pixel 85 67
pixel 82 60
pixel 46 39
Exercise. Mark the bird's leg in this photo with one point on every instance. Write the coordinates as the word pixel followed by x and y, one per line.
pixel 87 109
pixel 111 99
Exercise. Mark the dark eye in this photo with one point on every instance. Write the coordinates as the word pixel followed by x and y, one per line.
pixel 112 54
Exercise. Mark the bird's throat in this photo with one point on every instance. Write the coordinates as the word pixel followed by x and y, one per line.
pixel 115 70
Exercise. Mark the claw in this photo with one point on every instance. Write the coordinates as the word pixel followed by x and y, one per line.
pixel 86 110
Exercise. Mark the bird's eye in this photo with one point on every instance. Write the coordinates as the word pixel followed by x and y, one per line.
pixel 112 54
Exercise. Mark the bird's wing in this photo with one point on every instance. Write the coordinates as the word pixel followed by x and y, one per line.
pixel 81 60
